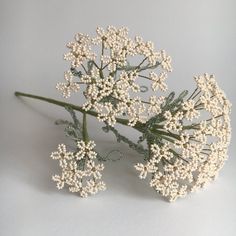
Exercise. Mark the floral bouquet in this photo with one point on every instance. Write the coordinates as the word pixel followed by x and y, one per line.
pixel 183 138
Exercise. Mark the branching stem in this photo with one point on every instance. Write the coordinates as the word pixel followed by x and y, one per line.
pixel 85 130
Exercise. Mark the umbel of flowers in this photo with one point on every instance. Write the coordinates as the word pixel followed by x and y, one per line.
pixel 184 139
pixel 78 166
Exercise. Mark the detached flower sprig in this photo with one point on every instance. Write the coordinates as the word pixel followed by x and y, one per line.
pixel 184 139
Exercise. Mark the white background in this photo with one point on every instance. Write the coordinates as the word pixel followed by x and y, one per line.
pixel 200 36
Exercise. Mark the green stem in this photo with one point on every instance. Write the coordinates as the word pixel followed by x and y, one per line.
pixel 84 69
pixel 169 134
pixel 65 104
pixel 102 55
pixel 85 131
pixel 138 126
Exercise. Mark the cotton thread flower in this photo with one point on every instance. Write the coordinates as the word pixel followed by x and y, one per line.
pixel 182 156
pixel 184 138
pixel 107 80
pixel 85 150
pixel 69 86
pixel 189 110
pixel 79 171
pixel 198 150
pixel 144 169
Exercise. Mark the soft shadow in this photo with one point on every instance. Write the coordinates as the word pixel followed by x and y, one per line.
pixel 121 176
pixel 33 165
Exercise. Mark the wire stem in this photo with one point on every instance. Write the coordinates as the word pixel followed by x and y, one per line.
pixel 65 104
pixel 85 130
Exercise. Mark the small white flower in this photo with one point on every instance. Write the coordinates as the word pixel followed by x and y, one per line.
pixel 165 61
pixel 85 150
pixel 74 175
pixel 79 52
pixel 69 86
pixel 79 188
pixel 186 155
pixel 93 187
pixel 62 153
pixel 161 152
pixel 179 170
pixel 94 170
pixel 107 113
pixel 155 104
pixel 190 111
pixel 173 122
pixel 86 79
pixel 59 180
pixel 183 142
pixel 210 104
pixel 158 81
pixel 135 111
pixel 180 192
pixel 145 169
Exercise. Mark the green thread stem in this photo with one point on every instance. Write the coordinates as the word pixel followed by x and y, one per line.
pixel 65 104
pixel 85 130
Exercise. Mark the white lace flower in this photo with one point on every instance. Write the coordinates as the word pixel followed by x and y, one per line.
pixel 109 78
pixel 158 81
pixel 69 86
pixel 79 188
pixel 155 104
pixel 85 150
pixel 93 187
pixel 107 113
pixel 181 156
pixel 161 152
pixel 210 104
pixel 129 80
pixel 190 111
pixel 87 79
pixel 60 181
pixel 164 184
pixel 180 170
pixel 105 87
pixel 94 170
pixel 179 192
pixel 135 111
pixel 79 52
pixel 146 49
pixel 82 175
pixel 173 122
pixel 145 169
pixel 202 131
pixel 183 141
pixel 62 153
pixel 67 177
pixel 165 61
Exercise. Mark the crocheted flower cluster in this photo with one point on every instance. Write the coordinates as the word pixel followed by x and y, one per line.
pixel 79 170
pixel 194 149
pixel 187 138
pixel 110 84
